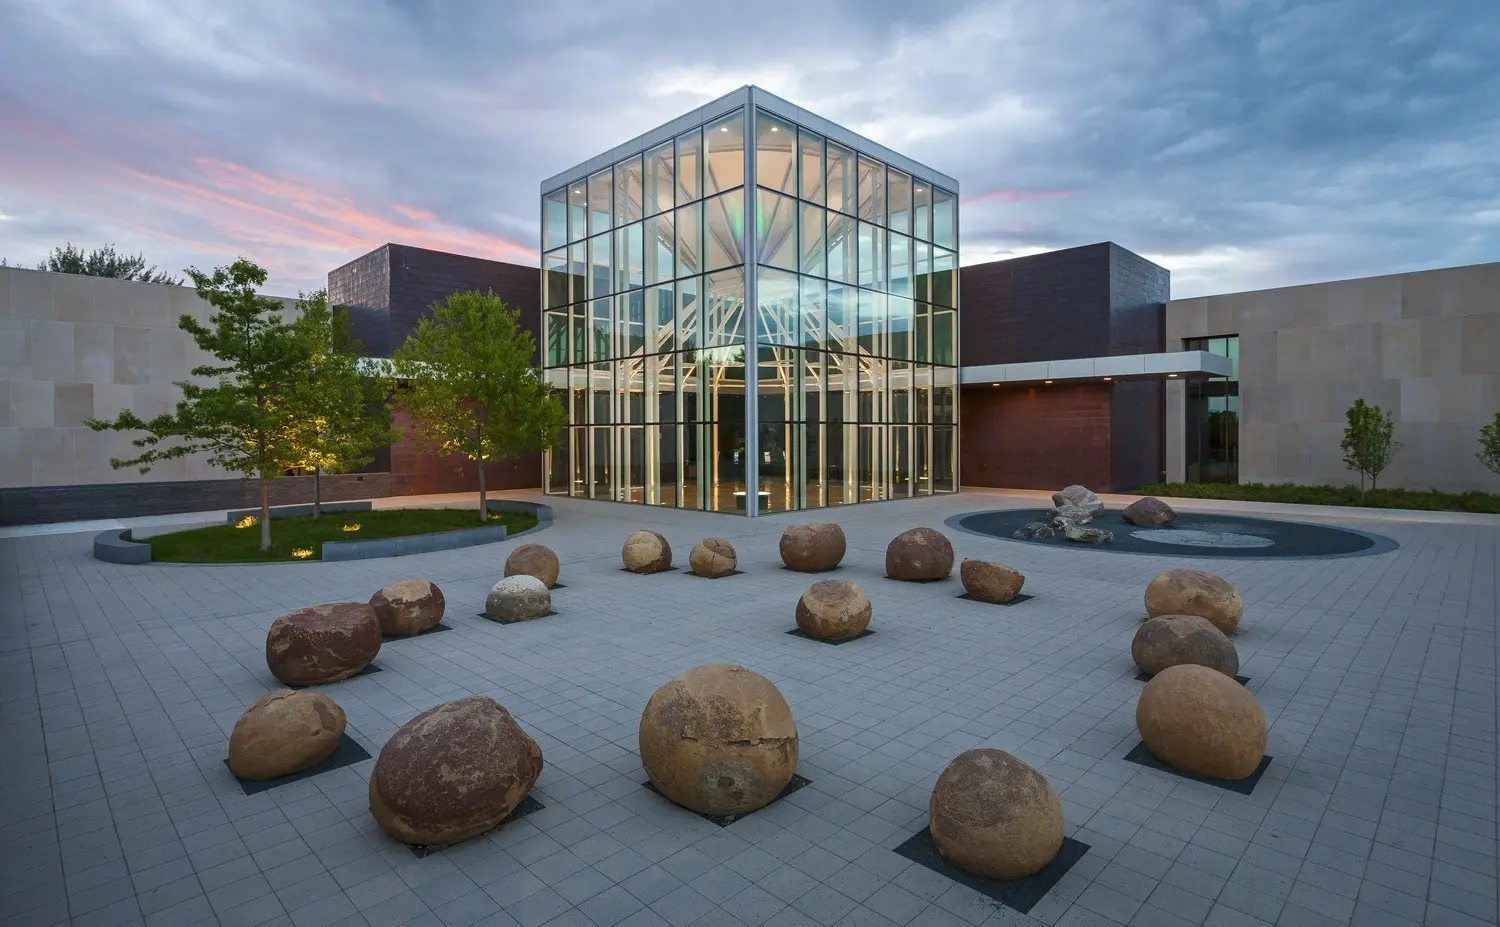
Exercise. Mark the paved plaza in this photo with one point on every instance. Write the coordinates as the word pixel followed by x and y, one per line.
pixel 119 686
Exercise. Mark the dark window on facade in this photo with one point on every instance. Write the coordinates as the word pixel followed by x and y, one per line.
pixel 1212 428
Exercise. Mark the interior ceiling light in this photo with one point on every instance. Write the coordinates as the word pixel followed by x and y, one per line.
pixel 1107 379
pixel 994 384
pixel 1046 382
pixel 723 128
pixel 1171 376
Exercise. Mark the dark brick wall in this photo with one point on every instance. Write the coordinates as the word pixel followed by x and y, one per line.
pixel 420 277
pixel 1037 437
pixel 48 504
pixel 364 286
pixel 1138 292
pixel 1049 306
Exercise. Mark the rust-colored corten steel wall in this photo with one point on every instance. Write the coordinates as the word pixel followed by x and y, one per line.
pixel 417 470
pixel 1037 437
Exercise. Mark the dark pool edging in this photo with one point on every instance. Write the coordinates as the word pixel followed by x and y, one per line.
pixel 1379 544
pixel 113 546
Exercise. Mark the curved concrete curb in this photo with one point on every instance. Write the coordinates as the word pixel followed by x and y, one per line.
pixel 112 546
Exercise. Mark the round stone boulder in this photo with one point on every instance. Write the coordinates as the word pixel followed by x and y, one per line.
pixel 1078 495
pixel 713 558
pixel 1201 721
pixel 533 560
pixel 283 733
pixel 1149 512
pixel 452 772
pixel 407 607
pixel 991 815
pixel 719 740
pixel 833 610
pixel 517 598
pixel 1170 640
pixel 813 548
pixel 990 582
pixel 323 643
pixel 1194 592
pixel 919 555
pixel 647 552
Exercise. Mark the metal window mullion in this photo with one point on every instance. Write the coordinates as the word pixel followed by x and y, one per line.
pixel 751 314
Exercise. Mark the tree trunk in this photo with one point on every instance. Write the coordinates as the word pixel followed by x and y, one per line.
pixel 265 513
pixel 317 492
pixel 483 514
pixel 479 416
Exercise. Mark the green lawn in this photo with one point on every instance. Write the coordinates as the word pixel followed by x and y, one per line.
pixel 293 536
pixel 1432 501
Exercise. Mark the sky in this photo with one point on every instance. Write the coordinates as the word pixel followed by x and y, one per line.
pixel 1242 144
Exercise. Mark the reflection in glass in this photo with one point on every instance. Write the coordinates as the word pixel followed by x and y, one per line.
pixel 840 248
pixel 578 211
pixel 871 256
pixel 555 279
pixel 628 191
pixel 775 153
pixel 689 166
pixel 843 180
pixel 944 220
pixel 811 298
pixel 630 257
pixel 661 319
pixel 660 180
pixel 555 219
pixel 921 210
pixel 871 190
pixel 578 269
pixel 776 318
pixel 687 314
pixel 724 244
pixel 899 192
pixel 944 277
pixel 724 309
pixel 812 165
pixel 899 326
pixel 899 260
pixel 724 164
pixel 600 212
pixel 842 317
pixel 689 239
pixel 601 274
pixel 661 262
pixel 872 323
pixel 813 230
pixel 776 217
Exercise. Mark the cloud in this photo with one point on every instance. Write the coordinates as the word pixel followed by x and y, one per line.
pixel 1241 143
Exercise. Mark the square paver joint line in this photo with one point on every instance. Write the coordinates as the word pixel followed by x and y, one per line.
pixel 1019 894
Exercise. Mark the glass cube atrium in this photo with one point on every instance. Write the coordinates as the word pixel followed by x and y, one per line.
pixel 752 297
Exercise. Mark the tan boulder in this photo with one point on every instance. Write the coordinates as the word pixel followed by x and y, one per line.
pixel 993 816
pixel 533 560
pixel 518 598
pixel 713 558
pixel 285 732
pixel 323 643
pixel 813 548
pixel 719 740
pixel 1201 721
pixel 833 610
pixel 407 607
pixel 990 582
pixel 647 552
pixel 1149 512
pixel 919 555
pixel 1170 640
pixel 1194 592
pixel 453 772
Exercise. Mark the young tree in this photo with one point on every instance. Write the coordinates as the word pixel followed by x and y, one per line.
pixel 1489 445
pixel 471 389
pixel 104 262
pixel 1368 443
pixel 341 415
pixel 244 419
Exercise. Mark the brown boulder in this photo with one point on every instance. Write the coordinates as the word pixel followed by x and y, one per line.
pixel 1194 592
pixel 719 740
pixel 918 555
pixel 283 733
pixel 990 582
pixel 1200 721
pixel 1170 640
pixel 452 772
pixel 407 607
pixel 647 552
pixel 323 643
pixel 713 558
pixel 993 816
pixel 533 560
pixel 833 610
pixel 812 548
pixel 1149 512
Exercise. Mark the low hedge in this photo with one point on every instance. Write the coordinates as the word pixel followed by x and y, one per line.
pixel 1431 500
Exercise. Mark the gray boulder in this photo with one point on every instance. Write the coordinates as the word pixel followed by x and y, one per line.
pixel 1088 535
pixel 1034 531
pixel 1080 496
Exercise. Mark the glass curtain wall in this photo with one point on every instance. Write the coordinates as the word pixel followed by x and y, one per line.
pixel 1212 429
pixel 852 266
